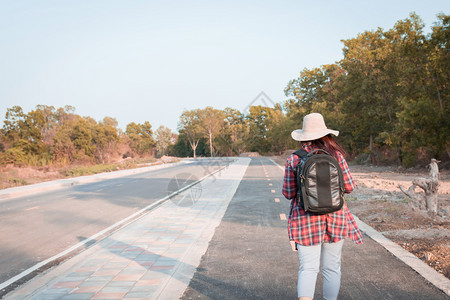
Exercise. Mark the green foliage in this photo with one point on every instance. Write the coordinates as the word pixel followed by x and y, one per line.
pixel 13 156
pixel 190 126
pixel 389 90
pixel 106 139
pixel 211 121
pixel 47 136
pixel 140 137
pixel 181 148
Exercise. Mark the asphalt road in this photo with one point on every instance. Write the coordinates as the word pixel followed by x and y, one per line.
pixel 249 256
pixel 39 226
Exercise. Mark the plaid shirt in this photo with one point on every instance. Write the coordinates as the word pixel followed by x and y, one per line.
pixel 307 229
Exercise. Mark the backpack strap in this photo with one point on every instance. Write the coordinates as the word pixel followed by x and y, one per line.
pixel 317 151
pixel 301 153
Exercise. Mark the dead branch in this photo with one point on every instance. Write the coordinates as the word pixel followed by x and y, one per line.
pixel 410 192
pixel 430 186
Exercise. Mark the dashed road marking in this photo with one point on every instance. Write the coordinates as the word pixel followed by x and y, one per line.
pixel 273 191
pixel 277 199
pixel 270 184
pixel 283 217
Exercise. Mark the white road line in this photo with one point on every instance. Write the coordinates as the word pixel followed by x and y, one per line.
pixel 276 164
pixel 277 199
pixel 283 217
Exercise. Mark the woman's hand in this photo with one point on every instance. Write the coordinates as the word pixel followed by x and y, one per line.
pixel 293 246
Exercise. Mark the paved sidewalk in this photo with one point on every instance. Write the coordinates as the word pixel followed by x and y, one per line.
pixel 152 258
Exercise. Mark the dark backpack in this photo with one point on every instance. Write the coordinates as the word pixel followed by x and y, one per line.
pixel 320 182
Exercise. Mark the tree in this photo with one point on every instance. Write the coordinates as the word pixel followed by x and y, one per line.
pixel 163 139
pixel 390 90
pixel 422 100
pixel 81 136
pixel 279 134
pixel 13 124
pixel 62 147
pixel 233 132
pixel 189 125
pixel 260 122
pixel 181 148
pixel 439 64
pixel 369 88
pixel 106 138
pixel 24 133
pixel 317 90
pixel 211 122
pixel 141 137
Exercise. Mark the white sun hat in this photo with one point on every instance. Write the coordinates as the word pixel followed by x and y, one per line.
pixel 313 128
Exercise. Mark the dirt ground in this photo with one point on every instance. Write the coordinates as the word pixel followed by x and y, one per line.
pixel 378 201
pixel 13 176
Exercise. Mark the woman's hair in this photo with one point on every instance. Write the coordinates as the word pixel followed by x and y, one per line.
pixel 329 144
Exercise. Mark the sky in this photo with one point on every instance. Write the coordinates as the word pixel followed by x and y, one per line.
pixel 140 61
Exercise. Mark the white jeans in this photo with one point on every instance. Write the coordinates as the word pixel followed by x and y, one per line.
pixel 329 254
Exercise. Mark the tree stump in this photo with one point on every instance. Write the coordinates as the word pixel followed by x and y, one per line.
pixel 430 186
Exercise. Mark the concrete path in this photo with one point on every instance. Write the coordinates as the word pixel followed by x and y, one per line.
pixel 230 243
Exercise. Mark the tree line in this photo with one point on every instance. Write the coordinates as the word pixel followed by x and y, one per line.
pixel 388 96
pixel 57 136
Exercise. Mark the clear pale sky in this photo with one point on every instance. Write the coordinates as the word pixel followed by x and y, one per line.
pixel 142 61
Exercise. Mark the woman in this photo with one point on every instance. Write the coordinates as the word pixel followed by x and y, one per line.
pixel 318 238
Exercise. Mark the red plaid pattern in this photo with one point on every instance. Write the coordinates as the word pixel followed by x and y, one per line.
pixel 307 229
